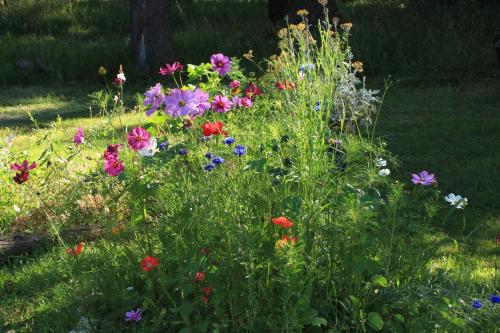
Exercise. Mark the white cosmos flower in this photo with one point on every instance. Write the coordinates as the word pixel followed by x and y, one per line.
pixel 149 150
pixel 456 200
pixel 384 172
pixel 380 162
pixel 130 288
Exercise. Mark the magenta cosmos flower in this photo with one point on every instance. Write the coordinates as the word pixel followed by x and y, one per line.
pixel 154 99
pixel 133 315
pixel 423 178
pixel 113 166
pixel 220 63
pixel 138 138
pixel 245 102
pixel 221 104
pixel 171 69
pixel 234 84
pixel 181 103
pixel 79 137
pixel 112 151
pixel 23 167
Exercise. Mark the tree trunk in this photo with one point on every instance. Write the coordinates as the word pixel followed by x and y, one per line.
pixel 150 33
pixel 21 244
pixel 278 9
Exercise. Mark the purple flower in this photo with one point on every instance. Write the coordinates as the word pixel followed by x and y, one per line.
pixel 239 150
pixel 202 103
pixel 220 63
pixel 218 160
pixel 113 166
pixel 183 151
pixel 495 299
pixel 318 106
pixel 209 155
pixel 163 145
pixel 209 167
pixel 154 98
pixel 221 104
pixel 423 178
pixel 181 103
pixel 79 137
pixel 476 304
pixel 229 140
pixel 133 315
pixel 235 101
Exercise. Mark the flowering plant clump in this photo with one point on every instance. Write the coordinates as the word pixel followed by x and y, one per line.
pixel 267 202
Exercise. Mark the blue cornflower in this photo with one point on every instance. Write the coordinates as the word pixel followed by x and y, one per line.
pixel 183 151
pixel 476 304
pixel 318 106
pixel 495 299
pixel 209 155
pixel 218 160
pixel 229 140
pixel 163 145
pixel 209 167
pixel 239 150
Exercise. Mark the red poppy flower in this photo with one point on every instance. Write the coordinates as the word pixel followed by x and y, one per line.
pixel 216 128
pixel 75 251
pixel 283 222
pixel 207 290
pixel 149 263
pixel 200 276
pixel 252 90
pixel 292 240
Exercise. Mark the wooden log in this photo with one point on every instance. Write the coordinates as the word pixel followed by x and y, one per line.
pixel 23 244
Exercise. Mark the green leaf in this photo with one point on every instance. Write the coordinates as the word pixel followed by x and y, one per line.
pixel 185 310
pixel 375 321
pixel 399 317
pixel 318 321
pixel 354 301
pixel 379 280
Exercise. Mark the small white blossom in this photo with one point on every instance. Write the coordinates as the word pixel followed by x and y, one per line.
pixel 130 288
pixel 149 150
pixel 384 172
pixel 16 208
pixel 121 76
pixel 456 200
pixel 380 162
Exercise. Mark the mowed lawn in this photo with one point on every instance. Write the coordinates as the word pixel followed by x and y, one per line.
pixel 452 131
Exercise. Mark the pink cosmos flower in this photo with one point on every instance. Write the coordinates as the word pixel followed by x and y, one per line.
pixel 221 64
pixel 171 69
pixel 79 137
pixel 221 104
pixel 245 102
pixel 133 315
pixel 138 138
pixel 181 103
pixel 113 166
pixel 234 84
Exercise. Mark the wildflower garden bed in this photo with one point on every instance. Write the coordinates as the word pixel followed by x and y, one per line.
pixel 231 204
